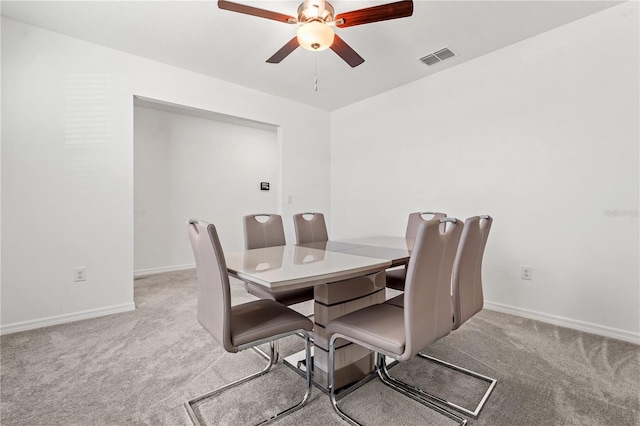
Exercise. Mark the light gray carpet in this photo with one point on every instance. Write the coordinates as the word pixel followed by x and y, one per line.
pixel 139 367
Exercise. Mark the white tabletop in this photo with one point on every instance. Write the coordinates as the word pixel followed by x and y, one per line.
pixel 383 241
pixel 290 267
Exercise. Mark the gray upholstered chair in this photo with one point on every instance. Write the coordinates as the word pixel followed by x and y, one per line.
pixel 396 276
pixel 402 333
pixel 466 296
pixel 269 233
pixel 263 233
pixel 310 228
pixel 242 326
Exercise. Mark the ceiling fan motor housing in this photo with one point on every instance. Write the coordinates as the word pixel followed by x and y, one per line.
pixel 315 10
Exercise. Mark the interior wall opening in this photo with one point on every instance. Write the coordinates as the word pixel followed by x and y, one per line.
pixel 193 163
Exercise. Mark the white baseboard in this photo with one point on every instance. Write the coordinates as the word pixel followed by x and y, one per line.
pixel 153 271
pixel 614 333
pixel 61 319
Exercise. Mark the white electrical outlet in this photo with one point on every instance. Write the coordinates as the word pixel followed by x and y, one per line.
pixel 80 274
pixel 526 272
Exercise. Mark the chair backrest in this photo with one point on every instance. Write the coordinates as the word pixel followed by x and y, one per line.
pixel 269 233
pixel 415 219
pixel 427 291
pixel 214 295
pixel 310 230
pixel 466 281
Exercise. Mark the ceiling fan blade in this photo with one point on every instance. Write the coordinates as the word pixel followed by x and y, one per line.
pixel 346 52
pixel 284 51
pixel 262 13
pixel 384 12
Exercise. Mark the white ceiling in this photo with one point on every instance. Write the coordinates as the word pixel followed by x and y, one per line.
pixel 197 36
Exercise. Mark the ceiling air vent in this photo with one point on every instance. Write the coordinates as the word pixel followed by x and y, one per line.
pixel 438 56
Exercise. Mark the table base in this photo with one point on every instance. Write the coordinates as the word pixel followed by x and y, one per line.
pixel 332 300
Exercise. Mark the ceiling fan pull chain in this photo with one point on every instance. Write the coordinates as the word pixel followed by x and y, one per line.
pixel 315 80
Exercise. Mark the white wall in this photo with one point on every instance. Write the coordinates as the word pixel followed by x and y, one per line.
pixel 187 166
pixel 542 135
pixel 67 167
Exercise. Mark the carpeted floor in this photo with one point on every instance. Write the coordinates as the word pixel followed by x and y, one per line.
pixel 137 368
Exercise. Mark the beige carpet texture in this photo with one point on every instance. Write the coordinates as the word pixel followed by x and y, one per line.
pixel 138 368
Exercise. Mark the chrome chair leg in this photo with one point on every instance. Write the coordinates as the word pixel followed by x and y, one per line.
pixel 272 357
pixel 305 398
pixel 381 368
pixel 332 391
pixel 264 355
pixel 472 412
pixel 411 391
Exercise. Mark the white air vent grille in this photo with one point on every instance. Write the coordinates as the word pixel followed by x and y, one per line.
pixel 438 56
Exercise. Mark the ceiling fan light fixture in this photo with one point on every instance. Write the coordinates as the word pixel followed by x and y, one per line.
pixel 315 36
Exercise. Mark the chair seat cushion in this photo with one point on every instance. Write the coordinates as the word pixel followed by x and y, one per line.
pixel 396 278
pixel 262 319
pixel 289 297
pixel 377 327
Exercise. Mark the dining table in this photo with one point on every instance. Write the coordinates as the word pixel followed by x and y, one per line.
pixel 346 275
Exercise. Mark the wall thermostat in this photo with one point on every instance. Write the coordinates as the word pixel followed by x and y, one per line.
pixel 264 186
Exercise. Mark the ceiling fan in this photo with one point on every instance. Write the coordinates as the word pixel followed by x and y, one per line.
pixel 315 19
